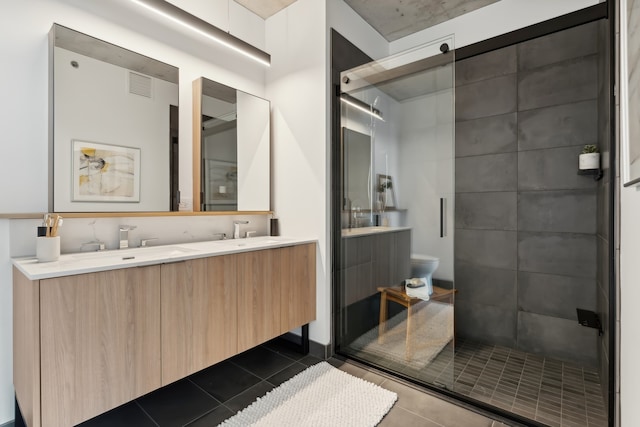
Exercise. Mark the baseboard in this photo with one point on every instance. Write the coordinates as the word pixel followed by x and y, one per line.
pixel 8 424
pixel 321 351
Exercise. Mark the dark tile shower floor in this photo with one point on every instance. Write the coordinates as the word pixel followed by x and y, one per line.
pixel 549 391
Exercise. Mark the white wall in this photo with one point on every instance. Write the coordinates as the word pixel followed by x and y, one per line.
pixel 629 313
pixel 296 85
pixel 6 322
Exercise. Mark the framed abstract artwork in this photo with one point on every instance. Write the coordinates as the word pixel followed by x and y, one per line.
pixel 105 172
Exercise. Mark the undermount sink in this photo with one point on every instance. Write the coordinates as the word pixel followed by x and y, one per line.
pixel 251 241
pixel 134 253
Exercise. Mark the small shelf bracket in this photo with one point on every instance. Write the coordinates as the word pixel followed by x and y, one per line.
pixel 590 319
pixel 596 173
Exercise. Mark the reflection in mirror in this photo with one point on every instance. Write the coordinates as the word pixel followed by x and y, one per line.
pixel 357 170
pixel 114 127
pixel 231 149
pixel 219 147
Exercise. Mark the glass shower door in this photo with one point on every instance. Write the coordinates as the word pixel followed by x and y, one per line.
pixel 396 285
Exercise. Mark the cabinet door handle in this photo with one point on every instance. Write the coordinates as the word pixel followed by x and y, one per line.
pixel 441 216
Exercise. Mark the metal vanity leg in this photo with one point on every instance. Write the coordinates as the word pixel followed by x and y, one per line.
pixel 19 420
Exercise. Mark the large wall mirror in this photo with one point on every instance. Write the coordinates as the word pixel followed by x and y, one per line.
pixel 231 149
pixel 113 127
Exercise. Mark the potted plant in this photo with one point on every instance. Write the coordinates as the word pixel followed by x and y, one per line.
pixel 590 157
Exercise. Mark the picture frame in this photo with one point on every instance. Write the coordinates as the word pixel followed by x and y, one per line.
pixel 630 86
pixel 385 190
pixel 104 172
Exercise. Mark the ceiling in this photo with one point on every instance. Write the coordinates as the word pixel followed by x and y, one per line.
pixel 393 19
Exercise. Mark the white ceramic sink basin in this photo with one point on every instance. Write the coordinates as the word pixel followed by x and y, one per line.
pixel 135 253
pixel 252 242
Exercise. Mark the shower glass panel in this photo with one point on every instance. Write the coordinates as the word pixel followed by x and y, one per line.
pixel 396 289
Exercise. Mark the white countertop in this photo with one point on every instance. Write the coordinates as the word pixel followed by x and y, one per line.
pixel 362 231
pixel 90 262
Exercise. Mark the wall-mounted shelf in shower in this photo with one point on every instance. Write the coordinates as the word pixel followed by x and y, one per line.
pixel 590 319
pixel 596 173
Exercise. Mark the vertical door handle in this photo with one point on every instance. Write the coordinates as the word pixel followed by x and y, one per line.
pixel 441 216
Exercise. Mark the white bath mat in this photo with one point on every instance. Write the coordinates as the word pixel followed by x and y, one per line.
pixel 320 396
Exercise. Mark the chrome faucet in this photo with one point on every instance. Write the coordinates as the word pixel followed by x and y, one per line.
pixel 236 228
pixel 100 246
pixel 124 235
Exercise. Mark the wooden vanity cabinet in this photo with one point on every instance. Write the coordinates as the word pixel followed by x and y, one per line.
pixel 199 318
pixel 87 343
pixel 99 335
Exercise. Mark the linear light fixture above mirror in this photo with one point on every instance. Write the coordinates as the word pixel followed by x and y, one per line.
pixel 361 105
pixel 179 16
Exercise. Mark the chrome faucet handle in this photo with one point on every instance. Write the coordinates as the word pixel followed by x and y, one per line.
pixel 236 228
pixel 250 234
pixel 98 244
pixel 143 242
pixel 124 235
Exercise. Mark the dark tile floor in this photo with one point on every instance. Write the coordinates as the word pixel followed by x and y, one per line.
pixel 216 393
pixel 549 391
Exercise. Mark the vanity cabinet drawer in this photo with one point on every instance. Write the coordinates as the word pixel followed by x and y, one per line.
pixel 99 335
pixel 198 314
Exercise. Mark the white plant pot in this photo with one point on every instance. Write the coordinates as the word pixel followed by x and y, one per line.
pixel 589 161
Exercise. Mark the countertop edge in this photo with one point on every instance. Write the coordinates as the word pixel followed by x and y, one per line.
pixel 55 270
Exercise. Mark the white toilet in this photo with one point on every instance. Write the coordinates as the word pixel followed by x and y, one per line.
pixel 424 266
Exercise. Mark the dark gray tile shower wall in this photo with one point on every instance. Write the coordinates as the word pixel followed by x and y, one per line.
pixel 528 241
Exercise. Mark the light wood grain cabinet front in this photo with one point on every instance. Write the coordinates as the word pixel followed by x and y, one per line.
pixel 296 273
pixel 85 344
pixel 99 338
pixel 258 298
pixel 199 318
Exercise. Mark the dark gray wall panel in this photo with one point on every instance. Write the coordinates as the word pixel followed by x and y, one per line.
pixel 559 263
pixel 557 338
pixel 571 211
pixel 492 64
pixel 488 211
pixel 485 285
pixel 572 43
pixel 493 172
pixel 562 83
pixel 556 296
pixel 486 98
pixel 489 248
pixel 557 253
pixel 486 323
pixel 551 169
pixel 487 135
pixel 558 126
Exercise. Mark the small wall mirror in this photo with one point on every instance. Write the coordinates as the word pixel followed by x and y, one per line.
pixel 231 149
pixel 357 189
pixel 113 127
